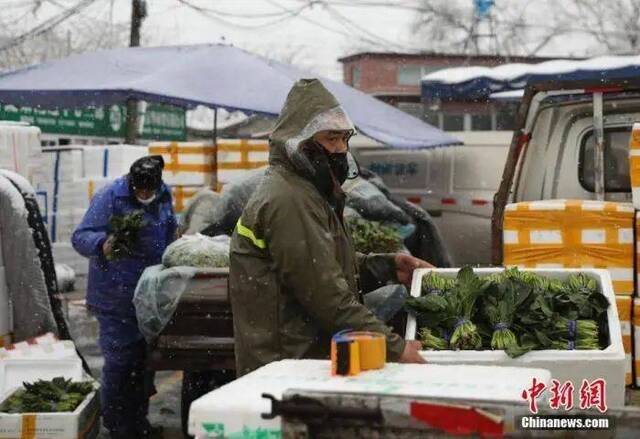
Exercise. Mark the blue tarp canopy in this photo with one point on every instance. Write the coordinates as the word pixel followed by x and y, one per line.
pixel 478 83
pixel 216 76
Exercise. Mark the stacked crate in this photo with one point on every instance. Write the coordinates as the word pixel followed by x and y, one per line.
pixel 70 177
pixel 577 234
pixel 191 166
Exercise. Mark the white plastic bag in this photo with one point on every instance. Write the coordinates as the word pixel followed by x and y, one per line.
pixel 198 251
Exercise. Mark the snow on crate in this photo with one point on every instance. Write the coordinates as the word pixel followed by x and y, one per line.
pixel 572 234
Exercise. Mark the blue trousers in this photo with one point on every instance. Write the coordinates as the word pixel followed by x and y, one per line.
pixel 126 384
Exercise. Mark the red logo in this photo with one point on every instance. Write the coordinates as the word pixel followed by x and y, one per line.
pixel 561 395
pixel 592 394
pixel 533 393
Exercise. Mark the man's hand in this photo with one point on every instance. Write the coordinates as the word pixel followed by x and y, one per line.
pixel 405 264
pixel 411 353
pixel 107 247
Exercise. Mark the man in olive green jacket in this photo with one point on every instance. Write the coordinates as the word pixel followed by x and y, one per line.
pixel 294 275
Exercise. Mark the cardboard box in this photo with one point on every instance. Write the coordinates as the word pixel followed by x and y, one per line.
pixel 572 234
pixel 608 363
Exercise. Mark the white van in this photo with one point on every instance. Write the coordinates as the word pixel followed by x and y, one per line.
pixel 454 184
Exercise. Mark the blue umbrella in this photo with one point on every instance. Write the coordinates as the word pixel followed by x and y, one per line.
pixel 216 76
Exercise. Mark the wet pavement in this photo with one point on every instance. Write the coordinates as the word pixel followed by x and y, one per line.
pixel 164 408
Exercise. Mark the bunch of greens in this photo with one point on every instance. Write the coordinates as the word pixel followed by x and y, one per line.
pixel 57 395
pixel 516 311
pixel 125 230
pixel 373 237
pixel 500 306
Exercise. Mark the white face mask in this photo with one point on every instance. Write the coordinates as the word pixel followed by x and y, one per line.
pixel 147 201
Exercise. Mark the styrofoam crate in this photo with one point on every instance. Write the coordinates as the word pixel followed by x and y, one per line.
pixel 238 406
pixel 82 422
pixel 13 372
pixel 608 363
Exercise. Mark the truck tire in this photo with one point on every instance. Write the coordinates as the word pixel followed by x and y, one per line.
pixel 198 383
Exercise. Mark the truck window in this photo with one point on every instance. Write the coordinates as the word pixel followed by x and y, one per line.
pixel 616 160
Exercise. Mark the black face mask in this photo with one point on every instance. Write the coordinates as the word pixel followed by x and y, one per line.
pixel 339 166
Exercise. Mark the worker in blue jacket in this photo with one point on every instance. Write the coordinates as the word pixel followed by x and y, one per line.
pixel 126 385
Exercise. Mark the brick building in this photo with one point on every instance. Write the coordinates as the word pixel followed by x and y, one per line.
pixel 395 79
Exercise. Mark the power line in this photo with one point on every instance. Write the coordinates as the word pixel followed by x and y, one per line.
pixel 218 16
pixel 47 25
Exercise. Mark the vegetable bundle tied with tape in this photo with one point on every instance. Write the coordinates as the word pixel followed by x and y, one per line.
pixel 125 231
pixel 515 311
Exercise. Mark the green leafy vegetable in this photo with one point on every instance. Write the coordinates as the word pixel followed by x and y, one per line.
pixel 125 230
pixel 57 395
pixel 373 237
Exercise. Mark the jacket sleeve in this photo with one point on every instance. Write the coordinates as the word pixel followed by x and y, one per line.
pixel 376 270
pixel 88 237
pixel 299 239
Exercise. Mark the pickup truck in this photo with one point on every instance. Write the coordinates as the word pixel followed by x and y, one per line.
pixel 571 142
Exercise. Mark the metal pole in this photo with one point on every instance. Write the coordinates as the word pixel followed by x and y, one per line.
pixel 598 160
pixel 214 177
pixel 138 13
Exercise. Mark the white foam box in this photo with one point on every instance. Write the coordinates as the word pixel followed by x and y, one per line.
pixel 608 363
pixel 62 224
pixel 82 422
pixel 70 166
pixel 64 253
pixel 237 406
pixel 20 149
pixel 110 161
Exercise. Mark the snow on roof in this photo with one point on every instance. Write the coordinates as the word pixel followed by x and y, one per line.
pixel 507 95
pixel 512 72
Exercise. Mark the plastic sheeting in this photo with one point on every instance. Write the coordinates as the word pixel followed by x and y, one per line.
pixel 28 291
pixel 216 76
pixel 157 295
pixel 198 214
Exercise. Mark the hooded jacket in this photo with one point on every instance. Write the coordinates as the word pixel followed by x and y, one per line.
pixel 293 270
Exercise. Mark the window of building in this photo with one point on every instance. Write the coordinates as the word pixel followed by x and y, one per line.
pixel 481 122
pixel 432 117
pixel 409 75
pixel 616 160
pixel 453 122
pixel 355 76
pixel 415 109
pixel 506 117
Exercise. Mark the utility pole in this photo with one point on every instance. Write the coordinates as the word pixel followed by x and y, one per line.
pixel 138 13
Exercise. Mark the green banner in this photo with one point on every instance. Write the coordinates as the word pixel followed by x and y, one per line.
pixel 159 122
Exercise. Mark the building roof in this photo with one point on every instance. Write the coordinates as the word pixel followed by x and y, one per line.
pixel 450 56
pixel 476 82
